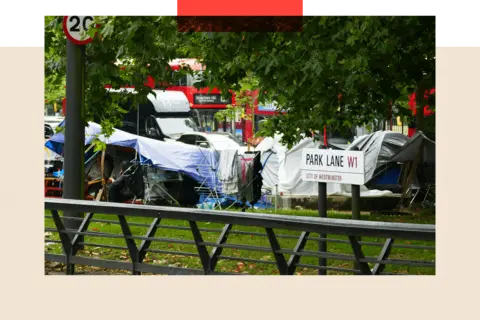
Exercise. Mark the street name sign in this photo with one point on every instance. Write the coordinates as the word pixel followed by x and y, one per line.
pixel 333 166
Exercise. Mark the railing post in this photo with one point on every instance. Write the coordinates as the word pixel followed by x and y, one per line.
pixel 282 264
pixel 387 248
pixel 357 251
pixel 132 247
pixel 66 244
pixel 217 251
pixel 201 248
pixel 295 258
pixel 142 250
pixel 83 227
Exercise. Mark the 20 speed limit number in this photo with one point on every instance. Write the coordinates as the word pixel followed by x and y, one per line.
pixel 75 28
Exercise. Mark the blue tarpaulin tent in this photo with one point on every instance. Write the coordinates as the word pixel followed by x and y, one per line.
pixel 171 156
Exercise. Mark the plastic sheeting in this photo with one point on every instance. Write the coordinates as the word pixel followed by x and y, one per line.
pixel 379 147
pixel 282 166
pixel 410 149
pixel 271 151
pixel 270 165
pixel 229 171
pixel 50 155
pixel 170 156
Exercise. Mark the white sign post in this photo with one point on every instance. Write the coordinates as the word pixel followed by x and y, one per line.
pixel 333 166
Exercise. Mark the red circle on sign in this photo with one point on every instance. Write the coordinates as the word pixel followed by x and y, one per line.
pixel 69 36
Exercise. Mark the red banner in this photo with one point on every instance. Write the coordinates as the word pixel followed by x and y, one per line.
pixel 239 8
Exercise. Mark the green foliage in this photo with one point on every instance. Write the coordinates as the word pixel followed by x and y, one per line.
pixel 370 61
pixel 339 71
pixel 98 145
pixel 245 97
pixel 54 93
pixel 145 45
pixel 54 60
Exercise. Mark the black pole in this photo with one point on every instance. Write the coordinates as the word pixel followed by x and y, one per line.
pixel 74 148
pixel 356 212
pixel 322 212
pixel 355 196
pixel 356 205
pixel 356 202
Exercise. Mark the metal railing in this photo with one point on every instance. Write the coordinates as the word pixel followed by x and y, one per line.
pixel 280 244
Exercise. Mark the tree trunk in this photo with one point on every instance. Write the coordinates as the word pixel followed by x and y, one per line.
pixel 421 102
pixel 390 115
pixel 420 105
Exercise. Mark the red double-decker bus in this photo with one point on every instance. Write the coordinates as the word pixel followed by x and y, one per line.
pixel 207 102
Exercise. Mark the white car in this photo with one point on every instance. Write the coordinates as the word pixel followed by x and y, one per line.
pixel 216 140
pixel 53 121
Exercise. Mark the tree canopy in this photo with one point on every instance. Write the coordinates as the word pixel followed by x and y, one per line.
pixel 338 72
pixel 124 51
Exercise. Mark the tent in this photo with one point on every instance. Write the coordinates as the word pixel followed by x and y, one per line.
pixel 271 151
pixel 170 156
pixel 417 176
pixel 50 155
pixel 281 169
pixel 410 149
pixel 379 147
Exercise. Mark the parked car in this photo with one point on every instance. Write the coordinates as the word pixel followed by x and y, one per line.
pixel 53 121
pixel 49 132
pixel 215 140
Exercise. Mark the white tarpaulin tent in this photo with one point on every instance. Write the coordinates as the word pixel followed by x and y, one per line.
pixel 281 166
pixel 271 151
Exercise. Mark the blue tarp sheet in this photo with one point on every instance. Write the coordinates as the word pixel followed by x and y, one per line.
pixel 178 157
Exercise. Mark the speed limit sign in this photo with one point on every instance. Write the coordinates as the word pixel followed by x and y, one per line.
pixel 75 28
